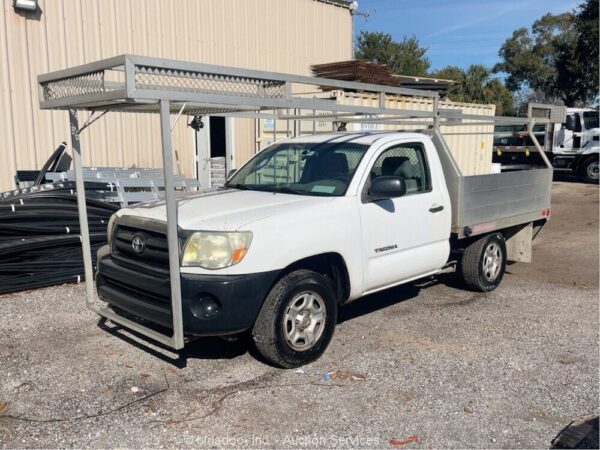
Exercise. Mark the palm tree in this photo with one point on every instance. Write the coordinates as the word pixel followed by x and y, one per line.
pixel 475 85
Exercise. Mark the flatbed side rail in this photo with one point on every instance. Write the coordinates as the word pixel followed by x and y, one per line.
pixel 484 203
pixel 501 200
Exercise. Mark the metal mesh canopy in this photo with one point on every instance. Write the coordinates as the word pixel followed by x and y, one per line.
pixel 131 83
pixel 137 84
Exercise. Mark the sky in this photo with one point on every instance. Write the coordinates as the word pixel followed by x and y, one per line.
pixel 457 32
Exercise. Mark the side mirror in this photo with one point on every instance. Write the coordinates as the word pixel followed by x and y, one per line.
pixel 386 187
pixel 231 172
pixel 570 123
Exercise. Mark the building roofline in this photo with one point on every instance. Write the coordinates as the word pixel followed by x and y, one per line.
pixel 341 3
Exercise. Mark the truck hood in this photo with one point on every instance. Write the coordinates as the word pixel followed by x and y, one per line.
pixel 226 210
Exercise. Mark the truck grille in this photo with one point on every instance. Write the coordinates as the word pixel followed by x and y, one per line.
pixel 146 247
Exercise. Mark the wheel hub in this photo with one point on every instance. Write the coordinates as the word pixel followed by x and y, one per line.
pixel 492 262
pixel 592 170
pixel 304 320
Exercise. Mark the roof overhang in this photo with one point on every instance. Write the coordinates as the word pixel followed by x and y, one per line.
pixel 341 3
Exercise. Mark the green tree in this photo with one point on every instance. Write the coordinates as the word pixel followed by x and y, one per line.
pixel 475 85
pixel 559 57
pixel 405 57
pixel 586 57
pixel 498 94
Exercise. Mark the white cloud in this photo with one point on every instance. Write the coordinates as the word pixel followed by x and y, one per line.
pixel 483 15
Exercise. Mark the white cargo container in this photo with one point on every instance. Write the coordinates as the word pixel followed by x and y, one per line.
pixel 470 145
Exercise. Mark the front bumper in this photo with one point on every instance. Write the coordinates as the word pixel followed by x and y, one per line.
pixel 145 292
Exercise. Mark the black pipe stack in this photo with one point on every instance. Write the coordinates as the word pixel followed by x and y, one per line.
pixel 39 235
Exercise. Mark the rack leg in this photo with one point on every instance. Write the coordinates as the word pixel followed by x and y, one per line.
pixel 172 238
pixel 82 209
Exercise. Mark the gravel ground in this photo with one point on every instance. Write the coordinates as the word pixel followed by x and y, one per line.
pixel 426 365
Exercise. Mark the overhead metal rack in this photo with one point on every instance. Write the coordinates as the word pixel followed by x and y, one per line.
pixel 138 84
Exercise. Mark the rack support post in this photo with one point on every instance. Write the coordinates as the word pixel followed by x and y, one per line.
pixel 172 236
pixel 82 209
pixel 537 145
pixel 436 113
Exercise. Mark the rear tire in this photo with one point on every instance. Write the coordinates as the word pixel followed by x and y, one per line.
pixel 589 169
pixel 297 319
pixel 484 262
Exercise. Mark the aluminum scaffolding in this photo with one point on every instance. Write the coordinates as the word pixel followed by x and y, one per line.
pixel 138 84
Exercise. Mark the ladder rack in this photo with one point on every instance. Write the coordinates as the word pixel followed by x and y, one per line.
pixel 130 83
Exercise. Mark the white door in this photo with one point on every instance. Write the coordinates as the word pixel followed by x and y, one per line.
pixel 203 154
pixel 407 236
pixel 564 139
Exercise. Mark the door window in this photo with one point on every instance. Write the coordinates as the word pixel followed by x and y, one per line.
pixel 590 119
pixel 407 161
pixel 577 123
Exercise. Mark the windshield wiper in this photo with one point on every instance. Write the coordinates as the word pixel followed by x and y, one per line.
pixel 241 187
pixel 274 189
pixel 284 190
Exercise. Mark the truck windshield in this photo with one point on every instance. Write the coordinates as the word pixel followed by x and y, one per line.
pixel 320 169
pixel 590 119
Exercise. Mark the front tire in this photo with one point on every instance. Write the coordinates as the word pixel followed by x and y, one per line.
pixel 484 262
pixel 297 319
pixel 589 170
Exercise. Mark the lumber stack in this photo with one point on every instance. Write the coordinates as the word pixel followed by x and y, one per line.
pixel 357 70
pixel 368 72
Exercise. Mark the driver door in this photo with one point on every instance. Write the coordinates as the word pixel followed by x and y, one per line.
pixel 407 236
pixel 566 136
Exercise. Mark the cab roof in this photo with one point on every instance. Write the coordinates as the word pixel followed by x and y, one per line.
pixel 365 138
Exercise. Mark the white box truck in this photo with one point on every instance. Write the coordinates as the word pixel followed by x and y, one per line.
pixel 571 142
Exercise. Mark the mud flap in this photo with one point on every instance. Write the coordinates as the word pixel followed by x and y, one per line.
pixel 519 245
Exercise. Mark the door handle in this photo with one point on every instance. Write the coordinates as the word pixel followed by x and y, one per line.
pixel 435 208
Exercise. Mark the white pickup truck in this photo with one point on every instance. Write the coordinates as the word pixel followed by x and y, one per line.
pixel 313 222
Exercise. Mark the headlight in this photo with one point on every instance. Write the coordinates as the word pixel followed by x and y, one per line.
pixel 111 227
pixel 215 250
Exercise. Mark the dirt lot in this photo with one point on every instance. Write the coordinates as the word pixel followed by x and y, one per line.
pixel 426 365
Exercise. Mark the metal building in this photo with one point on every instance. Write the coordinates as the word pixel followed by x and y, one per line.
pixel 277 35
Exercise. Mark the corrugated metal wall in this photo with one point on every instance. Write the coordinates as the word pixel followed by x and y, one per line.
pixel 278 35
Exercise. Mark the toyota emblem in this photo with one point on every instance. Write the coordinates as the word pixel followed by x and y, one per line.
pixel 138 244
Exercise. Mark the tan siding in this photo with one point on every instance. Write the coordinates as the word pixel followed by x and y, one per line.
pixel 279 35
pixel 24 151
pixel 7 140
pixel 245 133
